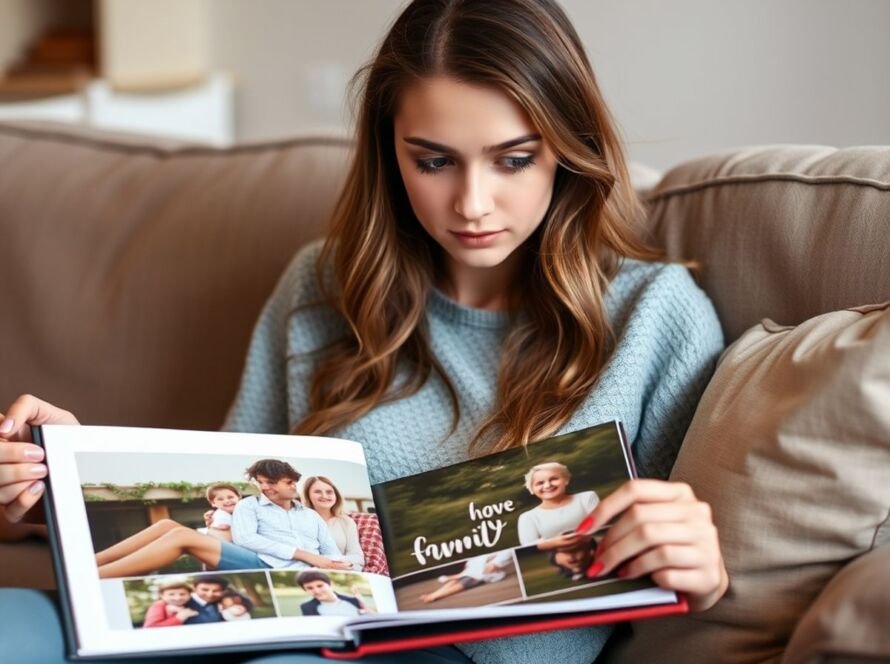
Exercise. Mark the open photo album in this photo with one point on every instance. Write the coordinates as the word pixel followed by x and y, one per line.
pixel 183 541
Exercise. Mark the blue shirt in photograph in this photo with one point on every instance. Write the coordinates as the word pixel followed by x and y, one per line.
pixel 274 533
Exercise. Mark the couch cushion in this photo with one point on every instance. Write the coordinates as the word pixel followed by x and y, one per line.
pixel 784 232
pixel 847 622
pixel 133 269
pixel 791 447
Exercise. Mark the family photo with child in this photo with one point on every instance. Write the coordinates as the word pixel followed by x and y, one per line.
pixel 283 520
pixel 171 601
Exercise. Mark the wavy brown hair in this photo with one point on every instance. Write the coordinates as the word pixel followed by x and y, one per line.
pixel 384 264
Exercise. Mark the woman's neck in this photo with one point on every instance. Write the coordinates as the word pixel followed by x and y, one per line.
pixel 482 287
pixel 556 503
pixel 325 513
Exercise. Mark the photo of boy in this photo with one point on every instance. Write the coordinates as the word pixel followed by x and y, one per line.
pixel 170 610
pixel 317 592
pixel 325 601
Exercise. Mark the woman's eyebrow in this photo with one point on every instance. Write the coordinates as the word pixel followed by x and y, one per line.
pixel 439 147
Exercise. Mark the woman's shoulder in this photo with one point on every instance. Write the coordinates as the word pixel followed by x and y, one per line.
pixel 300 280
pixel 344 521
pixel 662 295
pixel 636 275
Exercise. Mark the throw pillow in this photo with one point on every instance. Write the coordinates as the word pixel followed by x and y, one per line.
pixel 843 623
pixel 791 447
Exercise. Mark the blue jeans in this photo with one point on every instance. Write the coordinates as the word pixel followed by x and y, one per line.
pixel 234 557
pixel 31 633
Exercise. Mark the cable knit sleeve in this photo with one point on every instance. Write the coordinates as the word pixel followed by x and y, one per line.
pixel 261 404
pixel 680 375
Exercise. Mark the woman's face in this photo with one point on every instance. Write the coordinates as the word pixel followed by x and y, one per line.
pixel 477 172
pixel 322 495
pixel 549 484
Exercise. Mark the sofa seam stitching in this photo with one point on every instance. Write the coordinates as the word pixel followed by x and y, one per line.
pixel 186 150
pixel 771 177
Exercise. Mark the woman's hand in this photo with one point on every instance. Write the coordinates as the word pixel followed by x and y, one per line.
pixel 662 529
pixel 320 561
pixel 21 470
pixel 183 613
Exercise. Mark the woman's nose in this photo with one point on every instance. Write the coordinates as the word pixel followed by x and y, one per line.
pixel 474 199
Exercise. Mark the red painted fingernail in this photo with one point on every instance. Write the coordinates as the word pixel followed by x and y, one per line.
pixel 586 524
pixel 594 570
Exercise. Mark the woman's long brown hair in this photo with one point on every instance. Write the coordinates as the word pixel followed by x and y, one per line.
pixel 384 264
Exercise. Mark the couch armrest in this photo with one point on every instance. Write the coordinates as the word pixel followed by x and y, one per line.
pixel 848 620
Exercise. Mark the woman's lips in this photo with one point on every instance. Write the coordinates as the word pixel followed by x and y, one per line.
pixel 482 239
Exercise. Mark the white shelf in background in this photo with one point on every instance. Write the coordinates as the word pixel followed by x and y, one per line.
pixel 64 108
pixel 202 113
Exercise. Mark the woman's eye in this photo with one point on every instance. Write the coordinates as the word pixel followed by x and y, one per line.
pixel 432 165
pixel 516 164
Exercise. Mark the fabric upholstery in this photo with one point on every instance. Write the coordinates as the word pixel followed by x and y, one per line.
pixel 784 232
pixel 840 624
pixel 790 446
pixel 133 272
pixel 370 539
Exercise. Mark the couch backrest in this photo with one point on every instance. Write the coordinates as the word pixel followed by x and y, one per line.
pixel 785 232
pixel 132 270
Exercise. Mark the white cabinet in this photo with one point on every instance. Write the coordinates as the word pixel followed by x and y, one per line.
pixel 154 76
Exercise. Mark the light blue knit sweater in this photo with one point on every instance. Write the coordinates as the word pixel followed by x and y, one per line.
pixel 668 339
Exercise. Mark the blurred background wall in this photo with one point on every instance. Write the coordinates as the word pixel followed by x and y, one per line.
pixel 683 77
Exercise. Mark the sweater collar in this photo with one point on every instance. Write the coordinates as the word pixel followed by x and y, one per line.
pixel 444 307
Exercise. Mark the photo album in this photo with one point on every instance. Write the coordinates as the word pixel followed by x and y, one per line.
pixel 170 541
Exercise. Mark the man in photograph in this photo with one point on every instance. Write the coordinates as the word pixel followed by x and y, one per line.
pixel 205 600
pixel 281 531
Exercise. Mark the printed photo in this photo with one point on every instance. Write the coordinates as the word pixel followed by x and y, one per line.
pixel 555 568
pixel 184 513
pixel 513 498
pixel 174 600
pixel 317 592
pixel 482 580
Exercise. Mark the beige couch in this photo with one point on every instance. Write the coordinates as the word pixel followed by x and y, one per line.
pixel 132 272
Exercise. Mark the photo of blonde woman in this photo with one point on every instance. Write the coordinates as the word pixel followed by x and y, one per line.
pixel 559 511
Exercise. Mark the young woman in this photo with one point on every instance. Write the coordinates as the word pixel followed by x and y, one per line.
pixel 324 497
pixel 482 287
pixel 559 510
